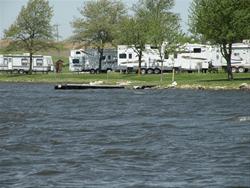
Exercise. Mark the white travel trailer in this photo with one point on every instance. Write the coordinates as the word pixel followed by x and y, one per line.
pixel 240 57
pixel 19 63
pixel 151 61
pixel 193 57
pixel 188 57
pixel 88 60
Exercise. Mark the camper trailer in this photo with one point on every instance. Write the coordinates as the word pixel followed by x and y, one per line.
pixel 88 60
pixel 20 63
pixel 203 56
pixel 193 57
pixel 151 61
pixel 240 57
pixel 188 57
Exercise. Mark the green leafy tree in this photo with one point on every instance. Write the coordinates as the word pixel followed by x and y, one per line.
pixel 221 22
pixel 98 24
pixel 163 25
pixel 32 30
pixel 152 23
pixel 133 33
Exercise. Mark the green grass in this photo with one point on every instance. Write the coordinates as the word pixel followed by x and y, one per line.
pixel 184 80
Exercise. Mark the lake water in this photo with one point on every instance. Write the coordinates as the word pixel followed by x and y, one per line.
pixel 123 138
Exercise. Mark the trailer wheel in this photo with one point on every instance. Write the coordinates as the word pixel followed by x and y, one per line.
pixel 157 71
pixel 234 69
pixel 241 69
pixel 109 70
pixel 150 71
pixel 92 71
pixel 143 71
pixel 21 71
pixel 177 69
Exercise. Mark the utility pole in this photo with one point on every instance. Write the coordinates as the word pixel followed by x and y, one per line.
pixel 57 31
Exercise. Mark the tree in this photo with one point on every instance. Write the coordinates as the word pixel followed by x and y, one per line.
pixel 32 30
pixel 221 22
pixel 133 33
pixel 164 28
pixel 98 24
pixel 152 23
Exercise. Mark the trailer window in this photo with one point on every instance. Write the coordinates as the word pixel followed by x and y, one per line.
pixel 130 56
pixel 39 62
pixel 197 50
pixel 77 52
pixel 5 61
pixel 175 55
pixel 154 47
pixel 166 56
pixel 75 61
pixel 24 61
pixel 122 56
pixel 109 57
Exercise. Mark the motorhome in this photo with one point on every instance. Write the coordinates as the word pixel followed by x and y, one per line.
pixel 20 63
pixel 88 60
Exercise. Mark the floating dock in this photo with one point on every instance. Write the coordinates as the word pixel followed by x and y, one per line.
pixel 87 86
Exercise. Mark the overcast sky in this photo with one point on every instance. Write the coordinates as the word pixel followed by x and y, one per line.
pixel 66 10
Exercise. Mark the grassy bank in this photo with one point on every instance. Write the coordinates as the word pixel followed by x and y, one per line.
pixel 184 80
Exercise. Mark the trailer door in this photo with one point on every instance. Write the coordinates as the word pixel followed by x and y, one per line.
pixel 9 62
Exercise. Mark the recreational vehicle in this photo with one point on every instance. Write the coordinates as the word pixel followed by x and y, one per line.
pixel 201 56
pixel 88 60
pixel 188 57
pixel 240 57
pixel 193 57
pixel 20 63
pixel 151 60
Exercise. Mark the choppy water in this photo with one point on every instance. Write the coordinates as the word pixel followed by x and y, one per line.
pixel 123 138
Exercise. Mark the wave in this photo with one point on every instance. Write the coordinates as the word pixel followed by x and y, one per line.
pixel 244 118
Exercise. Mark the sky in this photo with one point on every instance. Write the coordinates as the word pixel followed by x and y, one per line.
pixel 66 10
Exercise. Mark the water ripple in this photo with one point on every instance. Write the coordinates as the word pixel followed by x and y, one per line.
pixel 123 138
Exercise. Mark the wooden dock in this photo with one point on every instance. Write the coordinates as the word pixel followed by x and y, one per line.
pixel 87 86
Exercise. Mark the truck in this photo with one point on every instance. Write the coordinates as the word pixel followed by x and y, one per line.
pixel 20 63
pixel 87 60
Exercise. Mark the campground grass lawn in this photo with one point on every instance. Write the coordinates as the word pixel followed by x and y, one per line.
pixel 184 80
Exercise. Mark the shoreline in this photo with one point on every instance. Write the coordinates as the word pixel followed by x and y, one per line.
pixel 192 81
pixel 242 87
